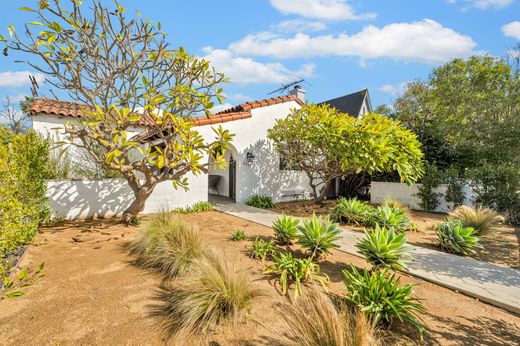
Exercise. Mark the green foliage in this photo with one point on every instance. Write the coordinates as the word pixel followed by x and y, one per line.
pixel 454 237
pixel 390 218
pixel 318 236
pixel 285 229
pixel 23 201
pixel 314 320
pixel 498 188
pixel 483 220
pixel 382 248
pixel 167 245
pixel 426 191
pixel 260 201
pixel 209 295
pixel 343 145
pixel 295 270
pixel 198 207
pixel 351 211
pixel 261 249
pixel 238 235
pixel 381 297
pixel 455 187
pixel 10 288
pixel 392 202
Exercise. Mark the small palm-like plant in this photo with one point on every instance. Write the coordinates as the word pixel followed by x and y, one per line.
pixel 483 220
pixel 285 229
pixel 382 248
pixel 318 235
pixel 238 235
pixel 382 298
pixel 295 270
pixel 261 249
pixel 351 211
pixel 211 293
pixel 390 218
pixel 314 320
pixel 455 238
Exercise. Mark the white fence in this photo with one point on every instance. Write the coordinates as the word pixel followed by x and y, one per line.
pixel 80 199
pixel 405 194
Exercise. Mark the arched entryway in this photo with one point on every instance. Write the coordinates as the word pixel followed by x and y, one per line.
pixel 222 183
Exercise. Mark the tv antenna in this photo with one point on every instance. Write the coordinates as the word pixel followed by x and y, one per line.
pixel 287 86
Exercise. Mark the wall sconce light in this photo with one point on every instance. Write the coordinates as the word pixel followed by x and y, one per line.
pixel 250 158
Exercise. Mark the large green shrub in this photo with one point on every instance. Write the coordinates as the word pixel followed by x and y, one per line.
pixel 430 181
pixel 454 187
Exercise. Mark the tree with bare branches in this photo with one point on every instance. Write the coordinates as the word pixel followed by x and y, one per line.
pixel 15 119
pixel 126 72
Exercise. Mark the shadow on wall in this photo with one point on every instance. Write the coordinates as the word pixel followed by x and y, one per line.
pixel 263 176
pixel 89 199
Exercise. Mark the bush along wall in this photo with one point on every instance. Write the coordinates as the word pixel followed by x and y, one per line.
pixel 23 205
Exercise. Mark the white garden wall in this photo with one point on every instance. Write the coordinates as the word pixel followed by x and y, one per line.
pixel 405 194
pixel 105 198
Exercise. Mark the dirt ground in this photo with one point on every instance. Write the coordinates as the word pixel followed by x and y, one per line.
pixel 92 294
pixel 502 247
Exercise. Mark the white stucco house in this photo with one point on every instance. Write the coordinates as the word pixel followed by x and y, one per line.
pixel 254 166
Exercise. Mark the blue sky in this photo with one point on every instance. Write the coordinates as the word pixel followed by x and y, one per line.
pixel 338 46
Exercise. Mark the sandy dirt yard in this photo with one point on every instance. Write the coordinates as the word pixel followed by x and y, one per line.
pixel 502 247
pixel 92 294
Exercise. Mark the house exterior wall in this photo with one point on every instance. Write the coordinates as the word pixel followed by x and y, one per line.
pixel 407 195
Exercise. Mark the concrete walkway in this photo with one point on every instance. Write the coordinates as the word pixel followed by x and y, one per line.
pixel 496 285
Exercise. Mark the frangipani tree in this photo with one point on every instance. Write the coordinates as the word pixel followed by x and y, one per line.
pixel 127 74
pixel 327 144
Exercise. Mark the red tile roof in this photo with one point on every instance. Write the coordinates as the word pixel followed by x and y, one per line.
pixel 243 111
pixel 72 109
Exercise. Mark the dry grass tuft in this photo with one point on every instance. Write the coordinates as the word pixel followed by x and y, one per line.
pixel 168 245
pixel 393 202
pixel 211 293
pixel 483 220
pixel 314 320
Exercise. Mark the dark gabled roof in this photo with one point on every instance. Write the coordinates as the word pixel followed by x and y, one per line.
pixel 350 104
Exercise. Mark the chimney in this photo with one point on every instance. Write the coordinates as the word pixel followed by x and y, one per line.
pixel 298 92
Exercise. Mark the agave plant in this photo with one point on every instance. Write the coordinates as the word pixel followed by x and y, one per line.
pixel 454 237
pixel 483 220
pixel 382 248
pixel 382 298
pixel 318 235
pixel 261 249
pixel 295 270
pixel 285 229
pixel 390 218
pixel 351 211
pixel 238 235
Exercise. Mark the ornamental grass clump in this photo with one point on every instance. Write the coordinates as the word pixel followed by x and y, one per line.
pixel 212 293
pixel 390 218
pixel 483 220
pixel 314 320
pixel 381 297
pixel 352 211
pixel 295 270
pixel 318 236
pixel 383 248
pixel 167 245
pixel 285 229
pixel 455 238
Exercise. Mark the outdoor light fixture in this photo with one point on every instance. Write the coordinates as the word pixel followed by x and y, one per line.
pixel 250 157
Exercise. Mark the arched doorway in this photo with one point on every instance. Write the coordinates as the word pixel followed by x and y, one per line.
pixel 222 183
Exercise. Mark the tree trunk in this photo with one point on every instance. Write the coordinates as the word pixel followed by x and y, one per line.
pixel 318 198
pixel 137 206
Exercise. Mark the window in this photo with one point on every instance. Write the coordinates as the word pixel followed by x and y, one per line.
pixel 285 166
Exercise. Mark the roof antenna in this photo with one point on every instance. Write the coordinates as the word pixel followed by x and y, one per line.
pixel 285 87
pixel 34 86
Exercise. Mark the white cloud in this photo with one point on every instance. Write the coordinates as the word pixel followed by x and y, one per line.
pixel 16 79
pixel 483 4
pixel 13 99
pixel 221 107
pixel 248 71
pixel 512 30
pixel 320 9
pixel 426 40
pixel 394 89
pixel 238 97
pixel 299 25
